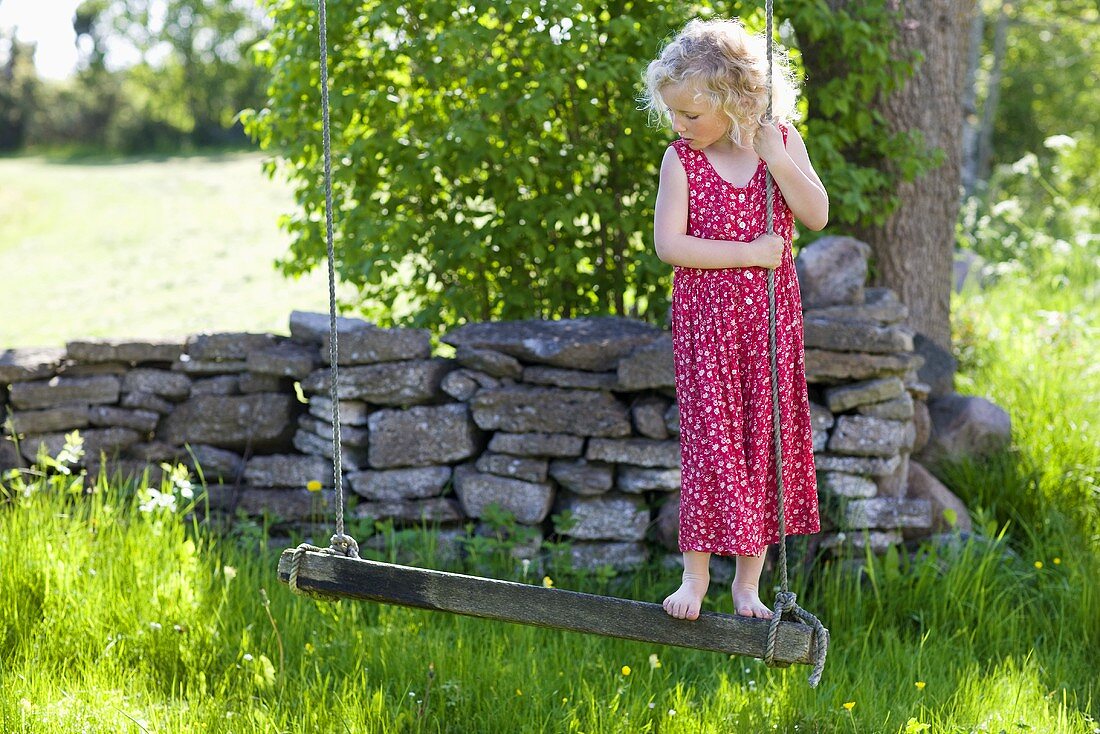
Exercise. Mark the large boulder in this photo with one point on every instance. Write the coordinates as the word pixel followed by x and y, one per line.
pixel 948 511
pixel 938 367
pixel 965 426
pixel 832 271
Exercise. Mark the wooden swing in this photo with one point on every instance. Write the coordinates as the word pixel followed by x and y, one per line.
pixel 338 572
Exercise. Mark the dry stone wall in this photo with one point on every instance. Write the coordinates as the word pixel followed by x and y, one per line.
pixel 571 426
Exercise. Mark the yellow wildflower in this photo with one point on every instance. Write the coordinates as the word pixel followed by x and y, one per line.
pixel 313 485
pixel 548 582
pixel 1038 564
pixel 920 685
pixel 913 726
pixel 519 692
pixel 626 670
pixel 1057 561
pixel 850 705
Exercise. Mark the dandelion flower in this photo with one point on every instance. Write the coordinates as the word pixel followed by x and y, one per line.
pixel 626 670
pixel 313 485
pixel 850 705
pixel 565 700
pixel 1038 564
pixel 1057 561
pixel 548 582
pixel 654 661
pixel 920 685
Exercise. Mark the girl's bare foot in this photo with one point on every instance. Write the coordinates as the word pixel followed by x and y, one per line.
pixel 746 601
pixel 685 602
pixel 746 587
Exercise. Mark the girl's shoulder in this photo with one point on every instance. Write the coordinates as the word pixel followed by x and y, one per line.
pixel 683 151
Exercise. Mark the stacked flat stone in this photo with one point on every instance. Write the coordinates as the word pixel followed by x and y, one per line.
pixel 570 426
pixel 211 401
pixel 582 429
pixel 99 388
pixel 400 432
pixel 864 392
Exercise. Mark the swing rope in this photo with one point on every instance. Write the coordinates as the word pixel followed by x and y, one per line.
pixel 342 544
pixel 785 600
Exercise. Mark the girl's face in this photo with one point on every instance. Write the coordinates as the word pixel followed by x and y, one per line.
pixel 693 118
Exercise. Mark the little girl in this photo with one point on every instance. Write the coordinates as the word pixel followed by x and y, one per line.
pixel 711 81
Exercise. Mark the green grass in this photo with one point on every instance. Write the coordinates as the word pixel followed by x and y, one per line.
pixel 144 248
pixel 113 619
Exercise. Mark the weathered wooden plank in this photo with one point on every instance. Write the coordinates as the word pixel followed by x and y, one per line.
pixel 509 601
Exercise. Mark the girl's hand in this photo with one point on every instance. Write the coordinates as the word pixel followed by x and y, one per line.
pixel 768 251
pixel 768 143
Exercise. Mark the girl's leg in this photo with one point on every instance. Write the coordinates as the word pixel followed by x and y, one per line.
pixel 685 602
pixel 746 587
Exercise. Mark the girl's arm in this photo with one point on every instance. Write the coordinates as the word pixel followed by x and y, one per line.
pixel 792 170
pixel 675 247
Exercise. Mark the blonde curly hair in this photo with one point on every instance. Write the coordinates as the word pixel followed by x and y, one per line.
pixel 728 66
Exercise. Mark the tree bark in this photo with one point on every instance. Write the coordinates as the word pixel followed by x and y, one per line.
pixel 913 249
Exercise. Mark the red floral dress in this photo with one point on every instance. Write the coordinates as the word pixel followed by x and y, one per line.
pixel 723 377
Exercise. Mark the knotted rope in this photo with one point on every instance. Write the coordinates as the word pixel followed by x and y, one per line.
pixel 341 543
pixel 785 600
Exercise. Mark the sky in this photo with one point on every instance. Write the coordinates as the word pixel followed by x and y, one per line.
pixel 49 23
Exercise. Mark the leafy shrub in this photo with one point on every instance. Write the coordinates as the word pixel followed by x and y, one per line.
pixel 491 162
pixel 1038 214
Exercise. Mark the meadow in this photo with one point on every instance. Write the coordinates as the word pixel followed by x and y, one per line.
pixel 144 247
pixel 121 612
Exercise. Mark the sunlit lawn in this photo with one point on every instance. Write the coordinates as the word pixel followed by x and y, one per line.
pixel 144 248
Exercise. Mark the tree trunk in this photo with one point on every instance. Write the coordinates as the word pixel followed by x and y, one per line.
pixel 913 250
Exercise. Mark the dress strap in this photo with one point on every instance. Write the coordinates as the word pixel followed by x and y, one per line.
pixel 688 158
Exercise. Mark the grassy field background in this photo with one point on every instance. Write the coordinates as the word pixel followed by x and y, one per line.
pixel 144 248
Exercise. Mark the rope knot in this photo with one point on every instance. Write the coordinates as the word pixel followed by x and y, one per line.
pixel 785 601
pixel 345 545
